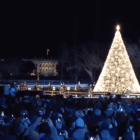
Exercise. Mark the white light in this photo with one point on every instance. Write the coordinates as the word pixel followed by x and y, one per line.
pixel 128 96
pixel 91 138
pixel 53 88
pixel 114 96
pixel 68 88
pixel 29 88
pixel 118 27
pixel 75 88
pixel 76 95
pixel 2 114
pixel 88 95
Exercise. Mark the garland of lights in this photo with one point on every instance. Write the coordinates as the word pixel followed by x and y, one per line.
pixel 117 75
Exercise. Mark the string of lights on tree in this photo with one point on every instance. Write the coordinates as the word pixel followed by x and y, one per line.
pixel 117 75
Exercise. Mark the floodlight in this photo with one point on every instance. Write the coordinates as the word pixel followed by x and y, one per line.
pixel 88 95
pixel 68 88
pixel 114 96
pixel 75 95
pixel 128 96
pixel 138 96
pixel 102 96
pixel 53 88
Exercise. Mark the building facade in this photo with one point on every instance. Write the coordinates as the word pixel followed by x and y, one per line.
pixel 44 67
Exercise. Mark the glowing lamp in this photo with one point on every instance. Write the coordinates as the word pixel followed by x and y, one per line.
pixel 53 88
pixel 76 95
pixel 114 96
pixel 2 114
pixel 29 88
pixel 88 95
pixel 128 96
pixel 68 88
pixel 138 96
pixel 102 96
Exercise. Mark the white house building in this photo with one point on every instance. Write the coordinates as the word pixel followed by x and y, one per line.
pixel 44 66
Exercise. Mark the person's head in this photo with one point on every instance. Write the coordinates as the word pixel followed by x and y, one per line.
pixel 79 123
pixel 41 111
pixel 39 102
pixel 13 85
pixel 79 114
pixel 24 113
pixel 97 112
pixel 126 103
pixel 133 103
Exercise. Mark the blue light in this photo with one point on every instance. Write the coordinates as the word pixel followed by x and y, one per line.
pixel 102 95
pixel 114 96
pixel 138 96
pixel 76 95
pixel 88 95
pixel 128 96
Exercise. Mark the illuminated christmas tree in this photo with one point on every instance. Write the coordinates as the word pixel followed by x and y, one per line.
pixel 117 75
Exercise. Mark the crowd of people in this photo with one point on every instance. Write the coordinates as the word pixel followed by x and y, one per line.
pixel 29 117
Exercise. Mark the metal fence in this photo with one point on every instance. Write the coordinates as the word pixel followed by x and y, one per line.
pixel 44 82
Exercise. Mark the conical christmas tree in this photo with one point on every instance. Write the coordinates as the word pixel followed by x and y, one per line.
pixel 117 75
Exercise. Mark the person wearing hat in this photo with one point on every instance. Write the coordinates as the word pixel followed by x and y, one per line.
pixel 109 111
pixel 128 109
pixel 78 132
pixel 134 105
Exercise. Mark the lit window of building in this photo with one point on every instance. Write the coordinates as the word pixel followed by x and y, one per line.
pixel 44 66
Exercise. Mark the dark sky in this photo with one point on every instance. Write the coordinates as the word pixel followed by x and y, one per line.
pixel 28 29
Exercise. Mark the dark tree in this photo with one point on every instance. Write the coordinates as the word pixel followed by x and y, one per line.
pixel 89 61
pixel 27 67
pixel 10 66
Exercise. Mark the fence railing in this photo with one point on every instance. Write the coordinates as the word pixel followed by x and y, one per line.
pixel 39 81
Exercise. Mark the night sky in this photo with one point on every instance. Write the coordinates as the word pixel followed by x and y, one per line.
pixel 28 29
